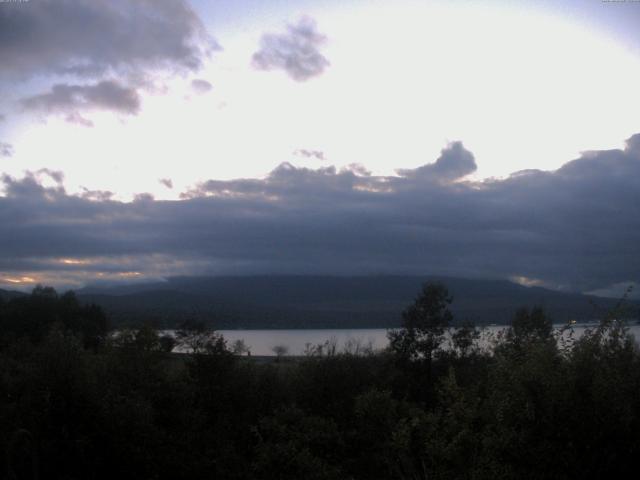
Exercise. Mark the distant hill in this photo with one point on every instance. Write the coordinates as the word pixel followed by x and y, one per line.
pixel 9 294
pixel 323 301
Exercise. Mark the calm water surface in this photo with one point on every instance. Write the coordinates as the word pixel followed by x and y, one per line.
pixel 262 342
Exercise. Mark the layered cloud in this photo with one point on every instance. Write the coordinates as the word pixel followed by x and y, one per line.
pixel 576 228
pixel 72 100
pixel 94 37
pixel 72 51
pixel 297 51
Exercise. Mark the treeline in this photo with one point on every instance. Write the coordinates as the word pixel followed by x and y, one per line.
pixel 79 403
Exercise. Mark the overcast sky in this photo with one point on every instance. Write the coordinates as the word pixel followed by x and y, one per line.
pixel 141 139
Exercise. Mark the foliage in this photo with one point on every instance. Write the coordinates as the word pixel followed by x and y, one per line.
pixel 197 337
pixel 239 347
pixel 280 351
pixel 465 338
pixel 128 408
pixel 33 316
pixel 530 326
pixel 423 324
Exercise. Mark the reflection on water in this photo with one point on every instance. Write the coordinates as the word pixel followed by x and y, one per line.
pixel 262 342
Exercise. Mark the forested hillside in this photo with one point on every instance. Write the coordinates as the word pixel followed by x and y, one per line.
pixel 324 301
pixel 77 403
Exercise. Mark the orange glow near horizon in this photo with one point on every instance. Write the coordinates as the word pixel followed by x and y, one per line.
pixel 74 261
pixel 19 280
pixel 129 274
pixel 526 281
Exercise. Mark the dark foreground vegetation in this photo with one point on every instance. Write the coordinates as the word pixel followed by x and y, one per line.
pixel 77 403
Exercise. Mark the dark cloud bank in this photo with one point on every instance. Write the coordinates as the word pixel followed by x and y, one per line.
pixel 92 37
pixel 93 42
pixel 575 228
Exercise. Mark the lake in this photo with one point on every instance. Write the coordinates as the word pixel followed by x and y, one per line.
pixel 262 342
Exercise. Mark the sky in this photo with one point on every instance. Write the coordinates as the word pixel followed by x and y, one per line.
pixel 143 139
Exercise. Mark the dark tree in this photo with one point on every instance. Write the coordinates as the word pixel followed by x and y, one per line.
pixel 424 324
pixel 464 338
pixel 530 325
pixel 197 337
pixel 33 316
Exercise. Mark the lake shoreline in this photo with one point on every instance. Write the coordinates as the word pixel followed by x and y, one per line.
pixel 302 342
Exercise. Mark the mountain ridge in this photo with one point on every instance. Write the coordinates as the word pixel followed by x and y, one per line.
pixel 311 301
